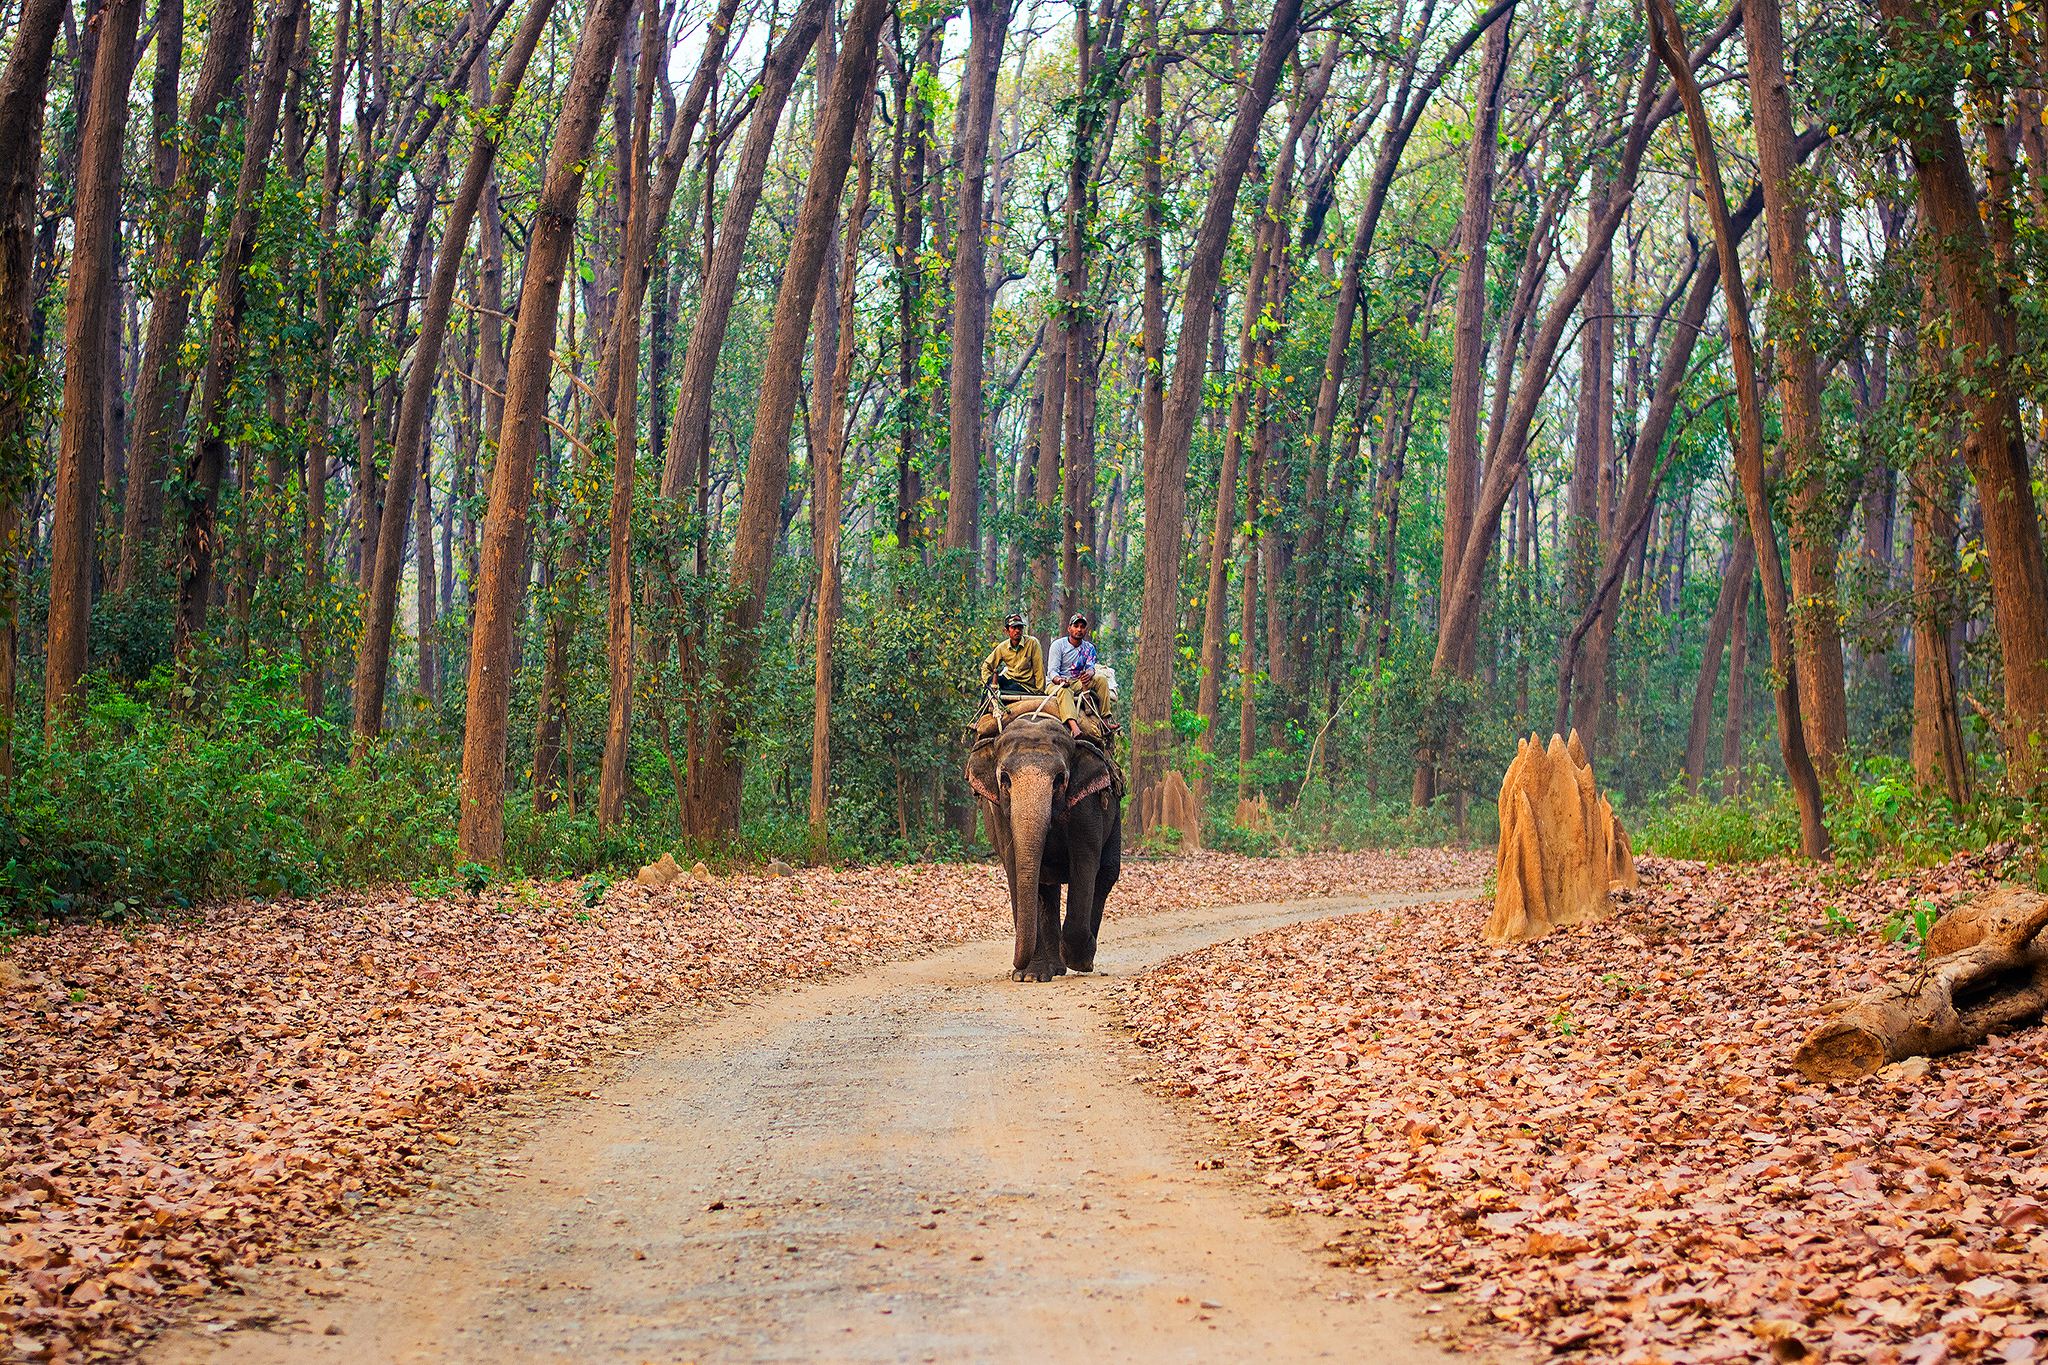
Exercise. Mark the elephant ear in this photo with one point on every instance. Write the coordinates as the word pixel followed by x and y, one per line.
pixel 1093 772
pixel 981 770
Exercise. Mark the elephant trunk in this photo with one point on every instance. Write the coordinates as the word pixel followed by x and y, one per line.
pixel 1031 797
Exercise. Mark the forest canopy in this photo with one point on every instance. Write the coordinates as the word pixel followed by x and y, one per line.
pixel 443 438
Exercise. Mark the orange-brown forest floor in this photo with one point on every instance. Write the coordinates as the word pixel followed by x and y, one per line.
pixel 183 1098
pixel 1596 1142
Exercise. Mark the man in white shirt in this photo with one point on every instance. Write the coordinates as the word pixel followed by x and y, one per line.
pixel 1073 661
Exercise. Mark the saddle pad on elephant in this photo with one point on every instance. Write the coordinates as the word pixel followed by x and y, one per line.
pixel 1060 706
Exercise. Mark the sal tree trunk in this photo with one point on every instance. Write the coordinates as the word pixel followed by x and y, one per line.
pixel 88 301
pixel 23 88
pixel 373 661
pixel 830 496
pixel 1668 40
pixel 1468 352
pixel 499 599
pixel 1816 629
pixel 990 21
pixel 689 427
pixel 623 358
pixel 1994 443
pixel 717 811
pixel 158 387
pixel 1166 460
pixel 203 473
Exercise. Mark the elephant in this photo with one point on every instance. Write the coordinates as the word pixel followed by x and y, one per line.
pixel 1053 802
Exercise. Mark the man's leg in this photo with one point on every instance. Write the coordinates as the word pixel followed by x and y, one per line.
pixel 1099 685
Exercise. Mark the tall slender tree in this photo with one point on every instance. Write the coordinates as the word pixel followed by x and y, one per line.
pixel 373 658
pixel 88 300
pixel 482 834
pixel 1166 468
pixel 717 808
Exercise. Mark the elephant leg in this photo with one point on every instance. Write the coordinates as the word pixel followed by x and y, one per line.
pixel 1077 943
pixel 1095 860
pixel 1025 916
pixel 1110 868
pixel 1046 964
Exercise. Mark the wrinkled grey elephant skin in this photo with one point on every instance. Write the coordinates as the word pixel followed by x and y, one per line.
pixel 1054 807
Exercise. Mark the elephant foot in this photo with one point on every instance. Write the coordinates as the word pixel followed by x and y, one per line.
pixel 1079 959
pixel 1035 972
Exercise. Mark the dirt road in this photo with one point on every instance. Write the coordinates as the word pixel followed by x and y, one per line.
pixel 920 1163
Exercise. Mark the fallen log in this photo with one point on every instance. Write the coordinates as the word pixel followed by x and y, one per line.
pixel 1981 917
pixel 1997 981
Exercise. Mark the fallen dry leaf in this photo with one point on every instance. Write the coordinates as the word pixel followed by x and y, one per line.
pixel 1598 1137
pixel 184 1099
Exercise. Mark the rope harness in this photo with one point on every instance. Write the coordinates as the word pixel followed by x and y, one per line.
pixel 1110 779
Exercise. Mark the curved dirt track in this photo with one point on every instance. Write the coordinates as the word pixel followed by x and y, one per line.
pixel 921 1163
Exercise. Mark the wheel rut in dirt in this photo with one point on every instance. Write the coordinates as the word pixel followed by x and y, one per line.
pixel 923 1162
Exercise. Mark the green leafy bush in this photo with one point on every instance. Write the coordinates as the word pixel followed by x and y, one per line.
pixel 1877 813
pixel 143 810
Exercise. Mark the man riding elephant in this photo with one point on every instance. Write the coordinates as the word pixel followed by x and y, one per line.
pixel 1016 666
pixel 1074 664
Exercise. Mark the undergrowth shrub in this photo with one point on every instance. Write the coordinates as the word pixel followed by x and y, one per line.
pixel 143 810
pixel 1876 814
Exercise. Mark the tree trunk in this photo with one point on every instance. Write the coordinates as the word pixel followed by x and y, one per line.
pixel 830 477
pixel 201 492
pixel 1939 761
pixel 158 386
pixel 1216 605
pixel 373 660
pixel 1247 658
pixel 1951 1002
pixel 500 593
pixel 1994 444
pixel 624 358
pixel 1166 463
pixel 1668 40
pixel 1468 345
pixel 88 300
pixel 1738 684
pixel 990 22
pixel 767 476
pixel 423 560
pixel 313 550
pixel 1816 628
pixel 23 88
pixel 690 427
pixel 1734 587
pixel 907 199
pixel 1583 540
pixel 1152 155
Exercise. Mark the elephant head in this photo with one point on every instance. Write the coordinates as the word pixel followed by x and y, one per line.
pixel 1050 806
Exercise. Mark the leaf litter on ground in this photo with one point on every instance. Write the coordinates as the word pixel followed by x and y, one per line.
pixel 1596 1140
pixel 185 1098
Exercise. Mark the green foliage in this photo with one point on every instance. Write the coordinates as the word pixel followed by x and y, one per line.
pixel 144 811
pixel 1757 823
pixel 1876 814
